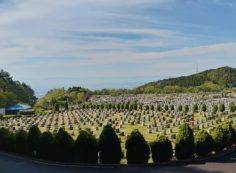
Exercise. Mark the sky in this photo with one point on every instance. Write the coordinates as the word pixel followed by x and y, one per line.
pixel 113 44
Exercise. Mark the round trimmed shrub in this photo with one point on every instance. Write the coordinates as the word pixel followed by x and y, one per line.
pixel 110 151
pixel 186 108
pixel 138 150
pixel 7 140
pixel 46 147
pixel 229 133
pixel 33 140
pixel 195 108
pixel 86 148
pixel 63 144
pixel 184 146
pixel 3 137
pixel 203 143
pixel 180 108
pixel 232 107
pixel 21 142
pixel 204 108
pixel 162 150
pixel 215 109
pixel 219 137
pixel 221 107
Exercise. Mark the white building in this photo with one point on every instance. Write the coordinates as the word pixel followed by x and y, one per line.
pixel 2 111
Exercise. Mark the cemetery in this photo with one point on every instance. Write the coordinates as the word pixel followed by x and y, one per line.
pixel 150 114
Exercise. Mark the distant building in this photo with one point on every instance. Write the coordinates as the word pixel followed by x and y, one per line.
pixel 17 108
pixel 2 111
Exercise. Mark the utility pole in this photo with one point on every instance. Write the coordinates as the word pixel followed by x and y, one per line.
pixel 197 69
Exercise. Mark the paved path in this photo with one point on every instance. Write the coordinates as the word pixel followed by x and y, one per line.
pixel 14 164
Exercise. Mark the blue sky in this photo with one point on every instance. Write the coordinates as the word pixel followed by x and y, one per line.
pixel 113 44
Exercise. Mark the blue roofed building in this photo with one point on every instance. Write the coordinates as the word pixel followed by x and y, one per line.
pixel 17 108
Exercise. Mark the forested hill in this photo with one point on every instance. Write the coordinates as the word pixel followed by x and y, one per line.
pixel 210 80
pixel 12 92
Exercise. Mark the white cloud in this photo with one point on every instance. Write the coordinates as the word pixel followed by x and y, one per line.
pixel 89 33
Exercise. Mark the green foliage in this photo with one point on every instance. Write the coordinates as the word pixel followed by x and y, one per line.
pixel 221 107
pixel 138 151
pixel 207 81
pixel 109 146
pixel 166 107
pixel 159 108
pixel 220 138
pixel 12 92
pixel 184 146
pixel 46 146
pixel 86 148
pixel 63 145
pixel 62 98
pixel 7 140
pixel 33 140
pixel 232 107
pixel 203 143
pixel 229 133
pixel 215 109
pixel 180 108
pixel 21 146
pixel 195 108
pixel 186 108
pixel 162 150
pixel 203 108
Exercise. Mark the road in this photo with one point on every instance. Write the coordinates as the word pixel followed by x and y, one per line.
pixel 15 164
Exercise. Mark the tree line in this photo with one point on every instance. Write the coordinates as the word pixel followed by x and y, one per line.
pixel 164 108
pixel 107 149
pixel 12 92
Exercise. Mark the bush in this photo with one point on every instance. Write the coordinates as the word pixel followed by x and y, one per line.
pixel 46 146
pixel 109 146
pixel 7 140
pixel 138 151
pixel 232 107
pixel 195 108
pixel 162 150
pixel 180 108
pixel 229 133
pixel 186 108
pixel 215 109
pixel 63 144
pixel 86 148
pixel 221 107
pixel 33 140
pixel 203 143
pixel 219 138
pixel 184 147
pixel 3 136
pixel 21 142
pixel 204 108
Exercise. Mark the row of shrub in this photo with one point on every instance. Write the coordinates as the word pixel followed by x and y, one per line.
pixel 107 149
pixel 180 108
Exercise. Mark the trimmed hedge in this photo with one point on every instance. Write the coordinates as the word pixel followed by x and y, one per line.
pixel 63 146
pixel 138 150
pixel 21 146
pixel 86 148
pixel 162 150
pixel 203 143
pixel 110 151
pixel 46 147
pixel 220 139
pixel 184 147
pixel 33 140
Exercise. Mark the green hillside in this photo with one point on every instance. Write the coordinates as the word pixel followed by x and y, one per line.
pixel 210 80
pixel 12 92
pixel 60 97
